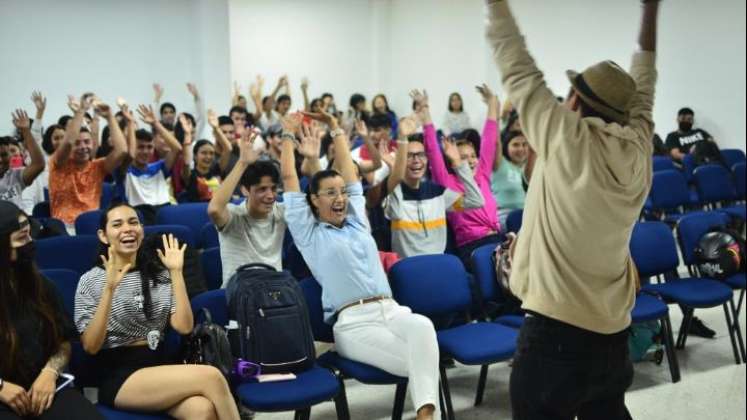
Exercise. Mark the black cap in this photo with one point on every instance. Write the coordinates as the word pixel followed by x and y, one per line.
pixel 9 213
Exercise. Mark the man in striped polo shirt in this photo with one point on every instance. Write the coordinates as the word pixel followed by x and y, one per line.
pixel 416 206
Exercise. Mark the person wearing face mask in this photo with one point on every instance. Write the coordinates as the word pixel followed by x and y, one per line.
pixel 683 141
pixel 474 227
pixel 122 308
pixel 35 332
pixel 511 171
pixel 331 230
pixel 253 231
pixel 76 181
pixel 13 180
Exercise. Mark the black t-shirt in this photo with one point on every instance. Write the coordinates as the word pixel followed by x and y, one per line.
pixel 685 141
pixel 31 357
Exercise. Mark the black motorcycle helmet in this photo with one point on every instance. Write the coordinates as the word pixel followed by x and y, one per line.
pixel 719 255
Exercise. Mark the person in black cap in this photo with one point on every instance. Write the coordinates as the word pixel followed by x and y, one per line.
pixel 35 332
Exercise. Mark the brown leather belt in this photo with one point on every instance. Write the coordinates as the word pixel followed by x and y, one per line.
pixel 362 302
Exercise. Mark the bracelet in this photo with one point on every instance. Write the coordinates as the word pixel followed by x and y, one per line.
pixel 288 136
pixel 56 373
pixel 337 133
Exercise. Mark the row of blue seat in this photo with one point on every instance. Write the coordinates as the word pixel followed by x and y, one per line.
pixel 484 343
pixel 730 157
pixel 716 188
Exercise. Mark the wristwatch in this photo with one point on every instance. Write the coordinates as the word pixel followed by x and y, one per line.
pixel 336 133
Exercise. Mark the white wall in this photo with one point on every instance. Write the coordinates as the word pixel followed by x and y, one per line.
pixel 328 41
pixel 392 46
pixel 366 46
pixel 113 49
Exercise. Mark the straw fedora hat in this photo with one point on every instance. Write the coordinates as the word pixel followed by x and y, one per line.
pixel 606 88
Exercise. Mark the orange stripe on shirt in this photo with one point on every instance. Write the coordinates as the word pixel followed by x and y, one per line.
pixel 412 225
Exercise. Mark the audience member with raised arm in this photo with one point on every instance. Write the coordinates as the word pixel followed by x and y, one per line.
pixel 476 227
pixel 122 309
pixel 253 231
pixel 76 181
pixel 331 230
pixel 145 185
pixel 416 206
pixel 13 180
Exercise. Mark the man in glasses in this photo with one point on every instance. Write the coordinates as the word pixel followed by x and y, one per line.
pixel 416 206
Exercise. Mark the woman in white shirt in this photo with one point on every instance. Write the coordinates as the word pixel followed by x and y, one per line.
pixel 456 120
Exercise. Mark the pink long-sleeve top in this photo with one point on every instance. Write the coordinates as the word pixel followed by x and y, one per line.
pixel 469 224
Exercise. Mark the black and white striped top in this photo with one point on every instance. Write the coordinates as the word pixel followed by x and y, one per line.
pixel 127 322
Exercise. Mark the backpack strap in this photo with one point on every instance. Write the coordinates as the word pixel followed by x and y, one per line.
pixel 207 315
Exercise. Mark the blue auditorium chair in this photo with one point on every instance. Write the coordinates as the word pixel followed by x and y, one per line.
pixel 348 369
pixel 655 254
pixel 414 281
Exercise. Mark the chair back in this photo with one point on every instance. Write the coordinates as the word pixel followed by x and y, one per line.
pixel 212 268
pixel 692 227
pixel 209 236
pixel 669 190
pixel 192 215
pixel 77 253
pixel 431 285
pixel 714 184
pixel 312 292
pixel 663 163
pixel 182 233
pixel 653 249
pixel 215 302
pixel 66 282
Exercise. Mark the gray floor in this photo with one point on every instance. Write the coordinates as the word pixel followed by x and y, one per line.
pixel 712 386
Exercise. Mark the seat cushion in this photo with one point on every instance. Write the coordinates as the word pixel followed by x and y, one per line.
pixel 736 212
pixel 693 292
pixel 737 281
pixel 478 343
pixel 114 414
pixel 648 308
pixel 361 372
pixel 311 387
pixel 512 321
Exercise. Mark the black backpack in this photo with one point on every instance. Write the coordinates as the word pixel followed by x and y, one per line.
pixel 707 152
pixel 275 331
pixel 208 345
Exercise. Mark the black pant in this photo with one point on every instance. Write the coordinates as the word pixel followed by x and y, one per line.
pixel 68 404
pixel 561 371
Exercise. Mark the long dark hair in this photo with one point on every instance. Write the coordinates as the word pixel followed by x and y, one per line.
pixel 148 263
pixel 386 104
pixel 456 94
pixel 47 138
pixel 22 286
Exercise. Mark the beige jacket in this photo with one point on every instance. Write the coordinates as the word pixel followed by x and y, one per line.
pixel 591 179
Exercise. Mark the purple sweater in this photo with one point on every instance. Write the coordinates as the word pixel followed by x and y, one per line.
pixel 470 224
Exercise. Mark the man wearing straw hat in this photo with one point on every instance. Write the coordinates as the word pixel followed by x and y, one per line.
pixel 572 267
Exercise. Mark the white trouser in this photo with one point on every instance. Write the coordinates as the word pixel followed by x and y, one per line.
pixel 390 337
